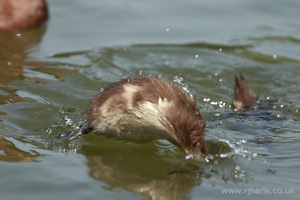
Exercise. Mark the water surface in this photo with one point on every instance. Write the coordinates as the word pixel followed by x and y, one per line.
pixel 50 74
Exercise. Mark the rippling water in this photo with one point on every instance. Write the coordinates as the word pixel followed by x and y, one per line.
pixel 50 74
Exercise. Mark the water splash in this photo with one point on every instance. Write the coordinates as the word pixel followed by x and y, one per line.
pixel 180 81
pixel 56 137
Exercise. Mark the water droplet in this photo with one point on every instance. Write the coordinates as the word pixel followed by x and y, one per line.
pixel 222 104
pixel 217 114
pixel 68 121
pixel 213 103
pixel 206 99
pixel 189 156
pixel 278 116
pixel 49 131
pixel 178 79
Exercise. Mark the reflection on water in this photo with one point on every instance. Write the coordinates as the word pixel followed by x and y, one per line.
pixel 12 154
pixel 14 48
pixel 15 67
pixel 51 93
pixel 244 147
pixel 17 44
pixel 9 96
pixel 139 168
pixel 156 170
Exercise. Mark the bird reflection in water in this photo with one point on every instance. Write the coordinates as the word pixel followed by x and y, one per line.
pixel 10 153
pixel 141 168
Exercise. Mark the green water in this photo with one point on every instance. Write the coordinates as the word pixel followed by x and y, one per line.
pixel 49 75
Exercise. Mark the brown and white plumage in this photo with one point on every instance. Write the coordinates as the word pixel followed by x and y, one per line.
pixel 144 109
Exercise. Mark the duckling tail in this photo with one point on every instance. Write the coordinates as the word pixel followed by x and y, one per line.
pixel 244 96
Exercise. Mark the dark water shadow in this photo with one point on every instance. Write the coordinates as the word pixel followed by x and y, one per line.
pixel 144 169
pixel 15 45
